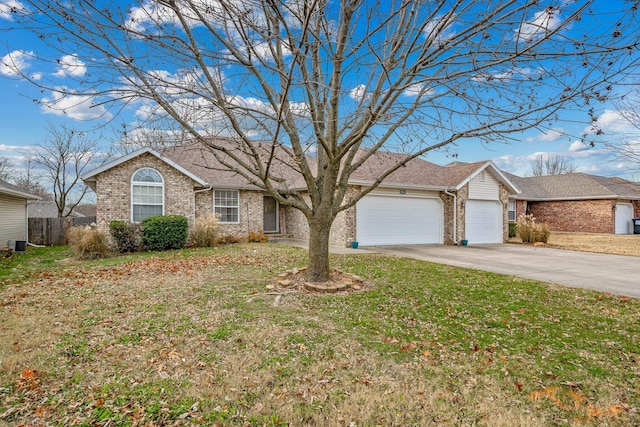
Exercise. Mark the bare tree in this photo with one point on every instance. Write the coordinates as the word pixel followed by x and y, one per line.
pixel 66 154
pixel 5 169
pixel 315 88
pixel 29 181
pixel 626 145
pixel 551 164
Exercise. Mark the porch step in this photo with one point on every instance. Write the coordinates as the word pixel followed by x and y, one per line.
pixel 274 237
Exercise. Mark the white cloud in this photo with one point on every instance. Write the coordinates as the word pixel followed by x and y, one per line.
pixel 77 107
pixel 611 121
pixel 547 136
pixel 542 24
pixel 577 146
pixel 70 65
pixel 439 30
pixel 10 7
pixel 14 63
pixel 507 75
pixel 359 92
pixel 417 89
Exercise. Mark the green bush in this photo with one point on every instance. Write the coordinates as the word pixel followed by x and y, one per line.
pixel 164 232
pixel 88 242
pixel 530 231
pixel 513 227
pixel 127 237
pixel 205 232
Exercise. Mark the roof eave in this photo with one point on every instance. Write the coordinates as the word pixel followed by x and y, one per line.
pixel 89 177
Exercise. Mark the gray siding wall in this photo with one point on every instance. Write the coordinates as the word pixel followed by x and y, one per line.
pixel 13 219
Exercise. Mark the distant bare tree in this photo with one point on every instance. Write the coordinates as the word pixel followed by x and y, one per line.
pixel 5 169
pixel 66 154
pixel 29 181
pixel 551 165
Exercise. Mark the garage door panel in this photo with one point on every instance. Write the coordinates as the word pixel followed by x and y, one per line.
pixel 483 221
pixel 387 220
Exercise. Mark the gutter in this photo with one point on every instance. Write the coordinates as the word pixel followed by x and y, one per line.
pixel 455 215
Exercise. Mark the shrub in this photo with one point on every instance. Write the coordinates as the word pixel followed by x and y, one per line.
pixel 88 242
pixel 127 237
pixel 228 239
pixel 513 227
pixel 530 231
pixel 205 232
pixel 164 232
pixel 257 236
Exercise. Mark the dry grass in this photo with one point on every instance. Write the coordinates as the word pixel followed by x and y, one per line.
pixel 193 338
pixel 625 244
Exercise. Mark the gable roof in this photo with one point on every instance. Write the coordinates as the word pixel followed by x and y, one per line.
pixel 199 163
pixel 90 177
pixel 423 174
pixel 12 190
pixel 574 186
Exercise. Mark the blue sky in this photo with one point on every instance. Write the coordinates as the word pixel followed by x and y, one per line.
pixel 24 117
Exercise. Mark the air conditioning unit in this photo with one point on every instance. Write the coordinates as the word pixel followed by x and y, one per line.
pixel 17 245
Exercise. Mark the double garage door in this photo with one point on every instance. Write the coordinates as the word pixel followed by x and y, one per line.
pixel 394 220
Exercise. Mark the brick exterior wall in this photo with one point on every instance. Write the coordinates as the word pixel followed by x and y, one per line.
pixel 587 216
pixel 113 195
pixel 342 230
pixel 462 196
pixel 113 191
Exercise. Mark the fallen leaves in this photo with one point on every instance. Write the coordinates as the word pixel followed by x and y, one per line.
pixel 30 379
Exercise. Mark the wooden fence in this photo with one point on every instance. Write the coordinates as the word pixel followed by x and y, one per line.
pixel 53 231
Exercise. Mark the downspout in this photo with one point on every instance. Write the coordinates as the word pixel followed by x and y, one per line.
pixel 455 216
pixel 209 187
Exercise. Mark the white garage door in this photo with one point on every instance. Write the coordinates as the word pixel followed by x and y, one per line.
pixel 483 221
pixel 624 214
pixel 388 220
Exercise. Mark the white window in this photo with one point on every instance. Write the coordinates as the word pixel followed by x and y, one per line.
pixel 512 210
pixel 226 205
pixel 147 194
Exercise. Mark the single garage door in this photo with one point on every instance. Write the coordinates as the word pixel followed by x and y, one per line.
pixel 624 215
pixel 483 221
pixel 389 220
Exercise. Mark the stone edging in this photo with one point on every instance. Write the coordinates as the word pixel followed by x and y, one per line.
pixel 347 281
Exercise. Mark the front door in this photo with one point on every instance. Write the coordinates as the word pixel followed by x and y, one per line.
pixel 270 215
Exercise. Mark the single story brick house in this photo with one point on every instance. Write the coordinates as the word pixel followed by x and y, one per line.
pixel 14 224
pixel 577 202
pixel 420 203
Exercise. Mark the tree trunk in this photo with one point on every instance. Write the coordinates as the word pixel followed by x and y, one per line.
pixel 319 230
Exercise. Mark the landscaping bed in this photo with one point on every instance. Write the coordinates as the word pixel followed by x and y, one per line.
pixel 195 337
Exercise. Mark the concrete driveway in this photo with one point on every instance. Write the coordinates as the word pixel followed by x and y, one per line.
pixel 616 274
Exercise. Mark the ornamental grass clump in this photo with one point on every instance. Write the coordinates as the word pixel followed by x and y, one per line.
pixel 88 242
pixel 205 232
pixel 531 231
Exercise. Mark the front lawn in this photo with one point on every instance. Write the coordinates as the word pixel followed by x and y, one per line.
pixel 194 338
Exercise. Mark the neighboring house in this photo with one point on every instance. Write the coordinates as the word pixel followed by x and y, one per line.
pixel 48 209
pixel 419 203
pixel 13 213
pixel 577 202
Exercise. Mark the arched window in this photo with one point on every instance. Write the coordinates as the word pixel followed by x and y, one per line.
pixel 147 194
